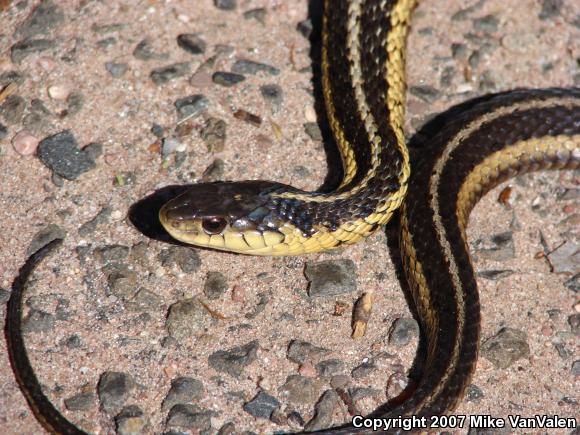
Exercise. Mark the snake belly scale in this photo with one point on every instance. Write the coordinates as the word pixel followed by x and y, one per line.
pixel 364 90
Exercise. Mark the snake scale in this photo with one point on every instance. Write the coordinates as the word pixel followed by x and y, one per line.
pixel 363 63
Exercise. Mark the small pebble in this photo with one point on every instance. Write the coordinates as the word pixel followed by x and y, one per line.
pixel 162 75
pixel 310 114
pixel 258 14
pixel 226 5
pixel 330 278
pixel 190 417
pixel 3 131
pixel 214 134
pixel 192 105
pixel 215 285
pixel 244 66
pixel 43 18
pixel 272 94
pixel 183 390
pixel 24 143
pixel 301 351
pixel 234 360
pixel 80 402
pixel 191 43
pixel 324 411
pixel 299 390
pixel 330 367
pixel 12 109
pixel 113 390
pixel 187 318
pixel 262 405
pixel 26 47
pixel 130 421
pixel 172 145
pixel 402 331
pixel 145 51
pixel 313 130
pixel 227 79
pixel 59 92
pixel 116 69
pixel 506 347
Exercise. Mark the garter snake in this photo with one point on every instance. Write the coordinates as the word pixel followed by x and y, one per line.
pixel 364 88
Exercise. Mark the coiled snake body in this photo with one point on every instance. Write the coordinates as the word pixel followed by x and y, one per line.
pixel 364 87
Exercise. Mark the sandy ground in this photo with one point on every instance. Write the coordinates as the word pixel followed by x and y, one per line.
pixel 522 50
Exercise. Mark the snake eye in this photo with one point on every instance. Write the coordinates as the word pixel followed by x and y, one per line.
pixel 213 225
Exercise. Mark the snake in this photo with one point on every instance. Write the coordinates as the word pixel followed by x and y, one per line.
pixel 489 141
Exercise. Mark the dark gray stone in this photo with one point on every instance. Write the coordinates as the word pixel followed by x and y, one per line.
pixel 192 105
pixel 113 390
pixel 167 73
pixel 574 322
pixel 214 134
pixel 425 92
pixel 323 412
pixel 505 348
pixel 244 66
pixel 44 237
pixel 227 79
pixel 226 5
pixel 258 14
pixel 26 47
pixel 192 43
pixel 299 390
pixel 90 226
pixel 402 331
pixel 183 390
pixel 130 421
pixel 185 258
pixel 474 393
pixel 145 51
pixel 187 318
pixel 262 405
pixel 494 275
pixel 214 171
pixel 44 18
pixel 273 94
pixel 38 321
pixel 573 283
pixel 330 367
pixel 116 69
pixel 143 300
pixel 300 351
pixel 215 285
pixel 487 24
pixel 233 361
pixel 12 109
pixel 550 9
pixel 363 370
pixel 331 277
pixel 80 402
pixel 499 247
pixel 62 155
pixel 189 417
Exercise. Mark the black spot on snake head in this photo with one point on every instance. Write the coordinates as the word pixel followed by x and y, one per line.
pixel 229 201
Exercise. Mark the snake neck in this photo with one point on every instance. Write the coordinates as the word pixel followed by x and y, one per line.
pixel 363 82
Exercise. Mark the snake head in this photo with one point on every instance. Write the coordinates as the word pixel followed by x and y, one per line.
pixel 229 216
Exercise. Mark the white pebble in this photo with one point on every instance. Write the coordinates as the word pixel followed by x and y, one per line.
pixel 59 92
pixel 310 114
pixel 24 143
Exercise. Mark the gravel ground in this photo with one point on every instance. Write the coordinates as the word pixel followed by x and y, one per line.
pixel 129 97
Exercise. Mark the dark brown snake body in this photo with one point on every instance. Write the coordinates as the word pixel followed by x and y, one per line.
pixel 364 83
